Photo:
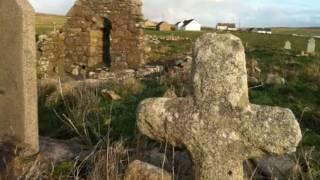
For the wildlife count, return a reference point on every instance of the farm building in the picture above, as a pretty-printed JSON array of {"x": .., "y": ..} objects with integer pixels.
[
  {"x": 226, "y": 27},
  {"x": 149, "y": 24},
  {"x": 163, "y": 26},
  {"x": 261, "y": 30},
  {"x": 188, "y": 25}
]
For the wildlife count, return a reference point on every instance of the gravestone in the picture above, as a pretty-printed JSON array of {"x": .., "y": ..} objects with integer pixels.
[
  {"x": 18, "y": 97},
  {"x": 311, "y": 45},
  {"x": 287, "y": 45},
  {"x": 218, "y": 125}
]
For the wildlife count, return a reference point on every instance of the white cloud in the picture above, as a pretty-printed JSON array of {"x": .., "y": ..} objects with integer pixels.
[
  {"x": 52, "y": 6},
  {"x": 209, "y": 12}
]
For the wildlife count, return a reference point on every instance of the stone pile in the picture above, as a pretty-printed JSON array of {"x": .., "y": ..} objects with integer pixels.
[
  {"x": 156, "y": 39},
  {"x": 113, "y": 76},
  {"x": 149, "y": 39}
]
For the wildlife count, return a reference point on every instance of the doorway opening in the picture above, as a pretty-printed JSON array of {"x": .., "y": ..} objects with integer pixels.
[{"x": 107, "y": 42}]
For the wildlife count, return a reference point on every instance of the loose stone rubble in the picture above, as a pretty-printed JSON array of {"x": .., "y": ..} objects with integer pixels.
[{"x": 218, "y": 125}]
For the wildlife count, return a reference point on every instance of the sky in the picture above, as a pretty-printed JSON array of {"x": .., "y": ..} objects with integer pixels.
[{"x": 247, "y": 13}]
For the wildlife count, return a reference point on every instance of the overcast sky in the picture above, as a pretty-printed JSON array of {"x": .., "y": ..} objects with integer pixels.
[{"x": 209, "y": 12}]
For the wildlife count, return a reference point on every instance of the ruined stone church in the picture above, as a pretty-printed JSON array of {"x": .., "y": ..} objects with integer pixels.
[{"x": 98, "y": 32}]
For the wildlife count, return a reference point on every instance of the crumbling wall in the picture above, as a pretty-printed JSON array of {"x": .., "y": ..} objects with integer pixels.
[
  {"x": 84, "y": 33},
  {"x": 50, "y": 55},
  {"x": 80, "y": 44}
]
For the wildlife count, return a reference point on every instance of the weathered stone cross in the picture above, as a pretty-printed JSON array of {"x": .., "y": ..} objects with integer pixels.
[{"x": 218, "y": 125}]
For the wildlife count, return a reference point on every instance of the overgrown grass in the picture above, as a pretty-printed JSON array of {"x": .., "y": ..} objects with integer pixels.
[{"x": 87, "y": 114}]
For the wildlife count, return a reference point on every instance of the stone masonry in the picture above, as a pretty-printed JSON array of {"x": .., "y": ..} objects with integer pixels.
[
  {"x": 218, "y": 125},
  {"x": 97, "y": 31},
  {"x": 89, "y": 19},
  {"x": 18, "y": 89},
  {"x": 51, "y": 55}
]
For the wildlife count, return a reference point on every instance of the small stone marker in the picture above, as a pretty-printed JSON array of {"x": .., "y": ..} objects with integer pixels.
[
  {"x": 18, "y": 97},
  {"x": 218, "y": 125},
  {"x": 287, "y": 45},
  {"x": 311, "y": 45}
]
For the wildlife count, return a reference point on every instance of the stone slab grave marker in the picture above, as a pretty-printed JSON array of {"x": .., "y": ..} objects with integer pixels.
[
  {"x": 311, "y": 45},
  {"x": 218, "y": 125},
  {"x": 18, "y": 90},
  {"x": 287, "y": 45}
]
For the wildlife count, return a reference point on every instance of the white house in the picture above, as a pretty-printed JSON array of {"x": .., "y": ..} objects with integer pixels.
[
  {"x": 188, "y": 25},
  {"x": 179, "y": 25},
  {"x": 226, "y": 27},
  {"x": 261, "y": 30}
]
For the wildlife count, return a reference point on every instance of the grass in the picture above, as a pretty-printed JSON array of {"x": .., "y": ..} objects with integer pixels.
[
  {"x": 300, "y": 31},
  {"x": 275, "y": 42},
  {"x": 46, "y": 22},
  {"x": 108, "y": 128},
  {"x": 85, "y": 113}
]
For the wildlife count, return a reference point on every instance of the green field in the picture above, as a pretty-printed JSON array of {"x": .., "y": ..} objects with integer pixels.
[
  {"x": 302, "y": 89},
  {"x": 300, "y": 31},
  {"x": 300, "y": 93},
  {"x": 46, "y": 22},
  {"x": 253, "y": 40}
]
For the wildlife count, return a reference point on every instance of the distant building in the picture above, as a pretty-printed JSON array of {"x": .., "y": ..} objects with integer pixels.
[
  {"x": 163, "y": 26},
  {"x": 149, "y": 24},
  {"x": 226, "y": 27},
  {"x": 188, "y": 25},
  {"x": 261, "y": 30},
  {"x": 179, "y": 25}
]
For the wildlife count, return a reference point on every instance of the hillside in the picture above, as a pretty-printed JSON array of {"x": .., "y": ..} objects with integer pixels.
[
  {"x": 46, "y": 22},
  {"x": 312, "y": 31}
]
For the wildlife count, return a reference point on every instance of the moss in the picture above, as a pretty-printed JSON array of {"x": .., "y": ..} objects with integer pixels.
[{"x": 63, "y": 169}]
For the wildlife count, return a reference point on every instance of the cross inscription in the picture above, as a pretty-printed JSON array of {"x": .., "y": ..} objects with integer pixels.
[{"x": 218, "y": 125}]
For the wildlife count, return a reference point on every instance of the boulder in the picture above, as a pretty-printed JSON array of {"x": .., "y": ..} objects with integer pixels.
[
  {"x": 111, "y": 95},
  {"x": 280, "y": 167},
  {"x": 275, "y": 79},
  {"x": 139, "y": 170}
]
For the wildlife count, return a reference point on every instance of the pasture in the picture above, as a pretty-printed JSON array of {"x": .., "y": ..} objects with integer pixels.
[{"x": 300, "y": 92}]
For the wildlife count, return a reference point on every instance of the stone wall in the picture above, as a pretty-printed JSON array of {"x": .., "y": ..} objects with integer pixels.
[
  {"x": 81, "y": 43},
  {"x": 51, "y": 55},
  {"x": 84, "y": 33}
]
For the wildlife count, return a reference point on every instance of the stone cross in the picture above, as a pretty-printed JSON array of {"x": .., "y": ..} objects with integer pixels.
[
  {"x": 218, "y": 125},
  {"x": 311, "y": 45},
  {"x": 287, "y": 45},
  {"x": 18, "y": 89}
]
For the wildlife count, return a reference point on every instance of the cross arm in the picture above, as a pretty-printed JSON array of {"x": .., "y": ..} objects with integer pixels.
[
  {"x": 274, "y": 130},
  {"x": 165, "y": 119}
]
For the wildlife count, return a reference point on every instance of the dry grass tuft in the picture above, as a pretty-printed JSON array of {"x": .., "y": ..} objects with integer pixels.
[{"x": 109, "y": 162}]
